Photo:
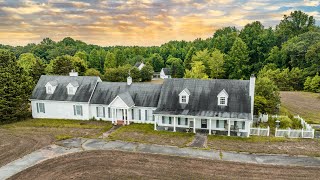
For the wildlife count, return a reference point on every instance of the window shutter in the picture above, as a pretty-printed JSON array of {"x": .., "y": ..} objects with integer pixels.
[
  {"x": 109, "y": 112},
  {"x": 37, "y": 107},
  {"x": 44, "y": 108},
  {"x": 74, "y": 109},
  {"x": 217, "y": 123},
  {"x": 81, "y": 110},
  {"x": 104, "y": 112},
  {"x": 97, "y": 109},
  {"x": 146, "y": 115}
]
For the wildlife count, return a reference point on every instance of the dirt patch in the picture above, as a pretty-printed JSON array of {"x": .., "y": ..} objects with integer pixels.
[
  {"x": 305, "y": 104},
  {"x": 308, "y": 147},
  {"x": 20, "y": 139},
  {"x": 127, "y": 165}
]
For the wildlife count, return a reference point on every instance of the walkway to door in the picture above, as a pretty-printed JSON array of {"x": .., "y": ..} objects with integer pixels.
[{"x": 199, "y": 141}]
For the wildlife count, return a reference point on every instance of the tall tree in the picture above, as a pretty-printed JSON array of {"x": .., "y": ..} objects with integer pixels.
[
  {"x": 176, "y": 67},
  {"x": 146, "y": 73},
  {"x": 197, "y": 71},
  {"x": 313, "y": 58},
  {"x": 82, "y": 55},
  {"x": 157, "y": 62},
  {"x": 15, "y": 89},
  {"x": 188, "y": 59},
  {"x": 92, "y": 72},
  {"x": 224, "y": 38},
  {"x": 26, "y": 61},
  {"x": 295, "y": 24},
  {"x": 110, "y": 60},
  {"x": 94, "y": 59},
  {"x": 216, "y": 63},
  {"x": 62, "y": 65},
  {"x": 238, "y": 60},
  {"x": 79, "y": 65}
]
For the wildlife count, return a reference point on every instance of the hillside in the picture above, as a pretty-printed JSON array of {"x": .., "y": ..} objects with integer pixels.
[{"x": 305, "y": 104}]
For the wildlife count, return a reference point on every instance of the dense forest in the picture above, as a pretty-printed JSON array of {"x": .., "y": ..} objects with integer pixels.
[{"x": 286, "y": 57}]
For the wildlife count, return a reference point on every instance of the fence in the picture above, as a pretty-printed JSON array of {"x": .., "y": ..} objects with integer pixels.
[
  {"x": 303, "y": 123},
  {"x": 260, "y": 131},
  {"x": 294, "y": 133}
]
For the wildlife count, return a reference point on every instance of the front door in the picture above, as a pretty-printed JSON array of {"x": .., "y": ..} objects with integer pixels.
[
  {"x": 203, "y": 123},
  {"x": 191, "y": 124}
]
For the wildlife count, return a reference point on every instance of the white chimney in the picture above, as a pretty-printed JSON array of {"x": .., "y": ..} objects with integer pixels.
[
  {"x": 251, "y": 92},
  {"x": 129, "y": 80},
  {"x": 73, "y": 73}
]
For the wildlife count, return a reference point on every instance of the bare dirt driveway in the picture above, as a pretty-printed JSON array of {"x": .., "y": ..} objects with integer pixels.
[{"x": 130, "y": 165}]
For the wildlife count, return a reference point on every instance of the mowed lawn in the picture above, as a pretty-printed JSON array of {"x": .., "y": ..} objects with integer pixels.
[
  {"x": 145, "y": 133},
  {"x": 305, "y": 104},
  {"x": 21, "y": 138}
]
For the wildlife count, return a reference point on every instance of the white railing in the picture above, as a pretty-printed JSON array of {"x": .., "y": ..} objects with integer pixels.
[
  {"x": 294, "y": 133},
  {"x": 303, "y": 122},
  {"x": 260, "y": 131}
]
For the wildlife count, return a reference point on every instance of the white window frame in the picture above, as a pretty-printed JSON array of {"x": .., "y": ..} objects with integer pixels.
[
  {"x": 70, "y": 90},
  {"x": 100, "y": 111},
  {"x": 49, "y": 89},
  {"x": 41, "y": 108},
  {"x": 78, "y": 110},
  {"x": 223, "y": 95},
  {"x": 183, "y": 99},
  {"x": 222, "y": 101}
]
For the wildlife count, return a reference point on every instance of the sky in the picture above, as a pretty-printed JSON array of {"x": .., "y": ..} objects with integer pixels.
[{"x": 133, "y": 22}]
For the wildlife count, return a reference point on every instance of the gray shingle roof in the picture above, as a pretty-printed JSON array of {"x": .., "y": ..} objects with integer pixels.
[
  {"x": 53, "y": 83},
  {"x": 84, "y": 91},
  {"x": 126, "y": 97},
  {"x": 203, "y": 99},
  {"x": 167, "y": 71},
  {"x": 142, "y": 94}
]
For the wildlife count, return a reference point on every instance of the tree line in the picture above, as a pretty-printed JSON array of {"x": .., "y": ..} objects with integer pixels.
[{"x": 286, "y": 57}]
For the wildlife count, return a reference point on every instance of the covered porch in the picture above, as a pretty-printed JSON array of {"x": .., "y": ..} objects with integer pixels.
[{"x": 209, "y": 125}]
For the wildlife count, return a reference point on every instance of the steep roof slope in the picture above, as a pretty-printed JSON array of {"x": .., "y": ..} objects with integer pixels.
[
  {"x": 203, "y": 99},
  {"x": 146, "y": 95},
  {"x": 86, "y": 86}
]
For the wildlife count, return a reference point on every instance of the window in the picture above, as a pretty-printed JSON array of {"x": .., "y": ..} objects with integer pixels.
[
  {"x": 169, "y": 120},
  {"x": 220, "y": 123},
  {"x": 139, "y": 114},
  {"x": 183, "y": 99},
  {"x": 163, "y": 120},
  {"x": 179, "y": 121},
  {"x": 101, "y": 112},
  {"x": 49, "y": 90},
  {"x": 222, "y": 100},
  {"x": 77, "y": 110},
  {"x": 40, "y": 108},
  {"x": 109, "y": 112},
  {"x": 146, "y": 115},
  {"x": 132, "y": 113},
  {"x": 70, "y": 90}
]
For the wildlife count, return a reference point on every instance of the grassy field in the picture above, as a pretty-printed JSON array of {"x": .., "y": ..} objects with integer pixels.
[
  {"x": 305, "y": 104},
  {"x": 268, "y": 145},
  {"x": 129, "y": 165},
  {"x": 144, "y": 133},
  {"x": 21, "y": 138}
]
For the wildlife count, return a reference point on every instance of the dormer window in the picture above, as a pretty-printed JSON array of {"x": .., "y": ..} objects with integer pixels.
[
  {"x": 72, "y": 88},
  {"x": 51, "y": 86},
  {"x": 223, "y": 98},
  {"x": 184, "y": 96}
]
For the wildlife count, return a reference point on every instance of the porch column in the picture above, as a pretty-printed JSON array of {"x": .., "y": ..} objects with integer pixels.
[
  {"x": 128, "y": 116},
  {"x": 155, "y": 122},
  {"x": 116, "y": 116},
  {"x": 111, "y": 109},
  {"x": 229, "y": 127},
  {"x": 210, "y": 126},
  {"x": 194, "y": 125},
  {"x": 174, "y": 124}
]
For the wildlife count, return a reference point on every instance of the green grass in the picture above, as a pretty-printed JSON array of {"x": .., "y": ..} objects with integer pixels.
[
  {"x": 145, "y": 133},
  {"x": 60, "y": 123},
  {"x": 61, "y": 137}
]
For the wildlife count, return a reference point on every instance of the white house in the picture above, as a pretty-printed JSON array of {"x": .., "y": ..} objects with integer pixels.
[
  {"x": 139, "y": 65},
  {"x": 165, "y": 73},
  {"x": 212, "y": 106}
]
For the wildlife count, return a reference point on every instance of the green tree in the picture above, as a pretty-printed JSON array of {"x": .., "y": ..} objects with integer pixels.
[
  {"x": 238, "y": 60},
  {"x": 312, "y": 84},
  {"x": 26, "y": 61},
  {"x": 267, "y": 96},
  {"x": 82, "y": 55},
  {"x": 15, "y": 89},
  {"x": 92, "y": 72},
  {"x": 37, "y": 70},
  {"x": 79, "y": 65},
  {"x": 197, "y": 71},
  {"x": 157, "y": 62},
  {"x": 62, "y": 65},
  {"x": 313, "y": 58},
  {"x": 110, "y": 60},
  {"x": 188, "y": 59},
  {"x": 204, "y": 56},
  {"x": 135, "y": 74},
  {"x": 216, "y": 63},
  {"x": 277, "y": 57},
  {"x": 293, "y": 25},
  {"x": 94, "y": 59},
  {"x": 146, "y": 73},
  {"x": 224, "y": 38},
  {"x": 176, "y": 67}
]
